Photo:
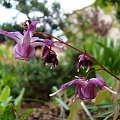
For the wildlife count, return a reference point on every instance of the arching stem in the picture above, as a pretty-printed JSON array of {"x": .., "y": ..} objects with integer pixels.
[{"x": 103, "y": 68}]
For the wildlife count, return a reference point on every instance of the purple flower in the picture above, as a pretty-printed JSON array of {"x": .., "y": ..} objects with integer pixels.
[
  {"x": 49, "y": 56},
  {"x": 86, "y": 89},
  {"x": 84, "y": 60},
  {"x": 25, "y": 47}
]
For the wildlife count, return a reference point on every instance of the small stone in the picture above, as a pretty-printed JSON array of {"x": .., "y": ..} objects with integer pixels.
[{"x": 36, "y": 115}]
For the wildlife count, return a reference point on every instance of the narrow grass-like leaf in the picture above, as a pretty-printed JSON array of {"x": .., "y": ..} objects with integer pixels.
[
  {"x": 74, "y": 109},
  {"x": 107, "y": 118},
  {"x": 18, "y": 100},
  {"x": 61, "y": 102}
]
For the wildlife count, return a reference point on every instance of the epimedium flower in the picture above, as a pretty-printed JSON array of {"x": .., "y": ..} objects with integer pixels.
[
  {"x": 84, "y": 60},
  {"x": 26, "y": 43},
  {"x": 49, "y": 56},
  {"x": 85, "y": 89}
]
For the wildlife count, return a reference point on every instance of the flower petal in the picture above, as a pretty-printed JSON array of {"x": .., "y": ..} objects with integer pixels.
[
  {"x": 22, "y": 52},
  {"x": 89, "y": 91},
  {"x": 35, "y": 44},
  {"x": 45, "y": 51},
  {"x": 66, "y": 85},
  {"x": 27, "y": 38},
  {"x": 80, "y": 94},
  {"x": 98, "y": 81},
  {"x": 33, "y": 24},
  {"x": 107, "y": 88},
  {"x": 73, "y": 82},
  {"x": 36, "y": 39},
  {"x": 17, "y": 36},
  {"x": 84, "y": 60},
  {"x": 43, "y": 42},
  {"x": 56, "y": 92}
]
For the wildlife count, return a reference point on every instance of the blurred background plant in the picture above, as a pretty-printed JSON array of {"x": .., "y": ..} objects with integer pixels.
[
  {"x": 94, "y": 29},
  {"x": 9, "y": 107}
]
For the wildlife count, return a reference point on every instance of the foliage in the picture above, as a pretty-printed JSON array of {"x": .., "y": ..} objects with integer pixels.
[
  {"x": 52, "y": 17},
  {"x": 103, "y": 48},
  {"x": 108, "y": 4},
  {"x": 74, "y": 110},
  {"x": 8, "y": 109},
  {"x": 39, "y": 79},
  {"x": 32, "y": 75},
  {"x": 18, "y": 100},
  {"x": 59, "y": 100}
]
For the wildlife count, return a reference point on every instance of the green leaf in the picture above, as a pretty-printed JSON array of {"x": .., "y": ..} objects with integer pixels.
[
  {"x": 18, "y": 100},
  {"x": 108, "y": 117},
  {"x": 74, "y": 109},
  {"x": 1, "y": 84},
  {"x": 2, "y": 109},
  {"x": 4, "y": 104},
  {"x": 106, "y": 113},
  {"x": 9, "y": 114},
  {"x": 61, "y": 102},
  {"x": 101, "y": 96},
  {"x": 4, "y": 94},
  {"x": 27, "y": 113}
]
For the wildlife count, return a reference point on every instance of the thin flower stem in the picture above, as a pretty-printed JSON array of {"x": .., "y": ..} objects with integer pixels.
[
  {"x": 36, "y": 32},
  {"x": 92, "y": 71},
  {"x": 103, "y": 68}
]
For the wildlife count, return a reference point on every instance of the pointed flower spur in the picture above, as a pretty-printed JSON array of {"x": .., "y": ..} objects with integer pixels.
[{"x": 85, "y": 89}]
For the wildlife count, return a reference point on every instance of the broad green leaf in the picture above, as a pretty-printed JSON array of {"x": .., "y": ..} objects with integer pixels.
[
  {"x": 27, "y": 113},
  {"x": 9, "y": 99},
  {"x": 2, "y": 108},
  {"x": 4, "y": 94},
  {"x": 101, "y": 96},
  {"x": 18, "y": 100},
  {"x": 4, "y": 104}
]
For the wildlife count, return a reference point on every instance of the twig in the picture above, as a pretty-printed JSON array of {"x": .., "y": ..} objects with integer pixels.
[{"x": 36, "y": 32}]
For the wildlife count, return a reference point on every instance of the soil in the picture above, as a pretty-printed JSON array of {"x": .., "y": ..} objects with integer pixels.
[{"x": 42, "y": 111}]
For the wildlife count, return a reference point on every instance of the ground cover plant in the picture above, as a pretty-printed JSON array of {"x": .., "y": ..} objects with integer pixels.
[{"x": 89, "y": 72}]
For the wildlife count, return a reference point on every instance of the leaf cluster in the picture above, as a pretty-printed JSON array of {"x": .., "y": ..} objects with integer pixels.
[
  {"x": 10, "y": 107},
  {"x": 52, "y": 17},
  {"x": 108, "y": 3}
]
